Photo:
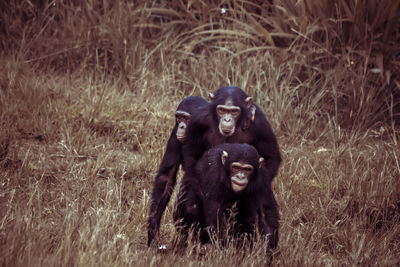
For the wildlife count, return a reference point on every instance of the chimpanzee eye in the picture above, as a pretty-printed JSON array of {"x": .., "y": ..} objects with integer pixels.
[
  {"x": 235, "y": 167},
  {"x": 221, "y": 110},
  {"x": 248, "y": 169},
  {"x": 182, "y": 118},
  {"x": 235, "y": 112}
]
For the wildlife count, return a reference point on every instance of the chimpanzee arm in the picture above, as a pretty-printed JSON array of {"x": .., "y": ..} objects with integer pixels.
[
  {"x": 268, "y": 218},
  {"x": 214, "y": 215},
  {"x": 164, "y": 184},
  {"x": 267, "y": 146},
  {"x": 272, "y": 159},
  {"x": 269, "y": 227},
  {"x": 246, "y": 217}
]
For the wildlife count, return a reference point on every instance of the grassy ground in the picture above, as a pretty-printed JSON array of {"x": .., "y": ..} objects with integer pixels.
[{"x": 87, "y": 96}]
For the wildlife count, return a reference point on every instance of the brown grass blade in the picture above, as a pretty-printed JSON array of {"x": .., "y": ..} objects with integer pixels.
[
  {"x": 264, "y": 32},
  {"x": 162, "y": 11}
]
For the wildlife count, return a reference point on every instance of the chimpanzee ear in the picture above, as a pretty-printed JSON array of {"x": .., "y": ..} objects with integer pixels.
[
  {"x": 260, "y": 162},
  {"x": 252, "y": 113},
  {"x": 210, "y": 96},
  {"x": 224, "y": 156},
  {"x": 249, "y": 101}
]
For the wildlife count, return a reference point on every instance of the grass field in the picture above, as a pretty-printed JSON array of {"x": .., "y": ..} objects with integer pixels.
[{"x": 87, "y": 96}]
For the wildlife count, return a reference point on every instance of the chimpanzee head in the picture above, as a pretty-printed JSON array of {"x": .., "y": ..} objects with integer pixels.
[
  {"x": 182, "y": 122},
  {"x": 187, "y": 108},
  {"x": 230, "y": 108},
  {"x": 241, "y": 163}
]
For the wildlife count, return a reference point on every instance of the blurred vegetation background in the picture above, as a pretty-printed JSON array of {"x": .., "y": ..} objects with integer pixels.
[{"x": 87, "y": 95}]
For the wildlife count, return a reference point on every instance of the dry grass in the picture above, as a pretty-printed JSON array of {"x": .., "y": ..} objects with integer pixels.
[{"x": 87, "y": 93}]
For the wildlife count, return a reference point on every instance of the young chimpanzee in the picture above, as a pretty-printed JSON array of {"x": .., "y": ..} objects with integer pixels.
[
  {"x": 166, "y": 177},
  {"x": 225, "y": 175},
  {"x": 232, "y": 117}
]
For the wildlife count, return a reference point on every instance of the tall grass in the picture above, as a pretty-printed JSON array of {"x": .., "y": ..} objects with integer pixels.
[{"x": 87, "y": 93}]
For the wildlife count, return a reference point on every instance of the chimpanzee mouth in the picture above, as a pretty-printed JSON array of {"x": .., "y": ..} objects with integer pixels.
[
  {"x": 181, "y": 137},
  {"x": 227, "y": 132},
  {"x": 239, "y": 183},
  {"x": 237, "y": 187}
]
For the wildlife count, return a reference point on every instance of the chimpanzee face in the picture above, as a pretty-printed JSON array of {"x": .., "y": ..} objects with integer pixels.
[
  {"x": 240, "y": 175},
  {"x": 240, "y": 172},
  {"x": 228, "y": 115},
  {"x": 182, "y": 121},
  {"x": 230, "y": 108}
]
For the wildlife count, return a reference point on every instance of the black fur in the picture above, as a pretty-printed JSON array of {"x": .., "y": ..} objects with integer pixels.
[
  {"x": 206, "y": 193},
  {"x": 203, "y": 134},
  {"x": 166, "y": 177}
]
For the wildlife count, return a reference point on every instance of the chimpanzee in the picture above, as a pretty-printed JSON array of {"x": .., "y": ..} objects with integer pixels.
[
  {"x": 166, "y": 177},
  {"x": 232, "y": 117},
  {"x": 225, "y": 175}
]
